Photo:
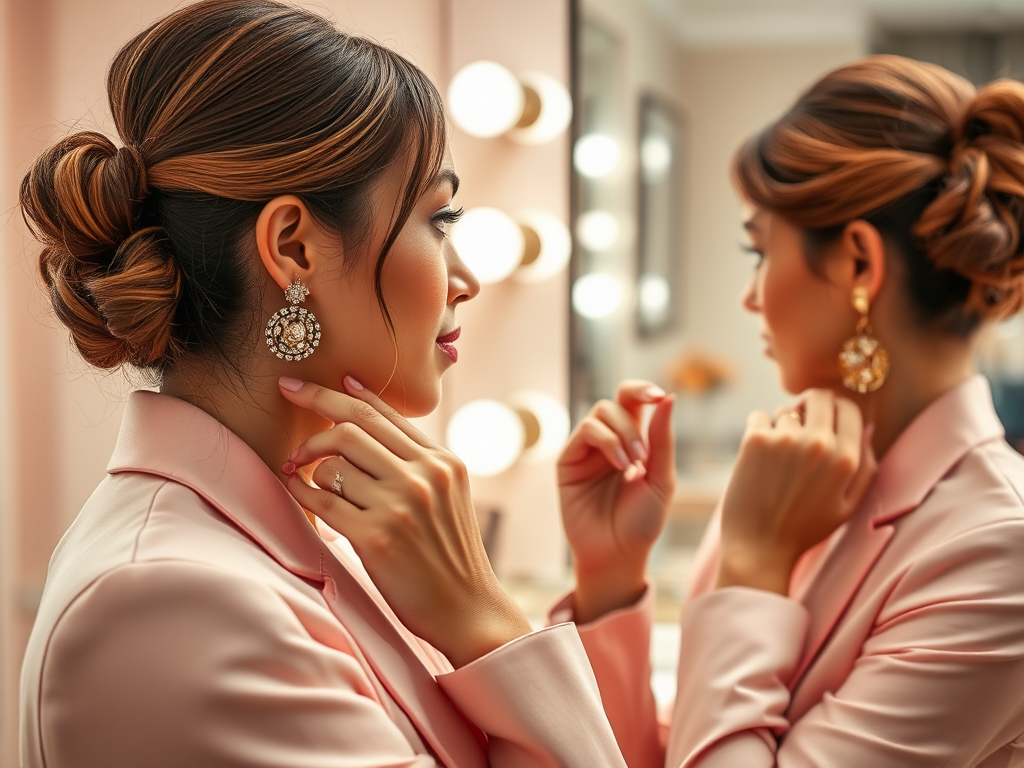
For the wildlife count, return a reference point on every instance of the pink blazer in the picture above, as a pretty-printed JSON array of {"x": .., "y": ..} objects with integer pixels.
[
  {"x": 901, "y": 642},
  {"x": 193, "y": 617}
]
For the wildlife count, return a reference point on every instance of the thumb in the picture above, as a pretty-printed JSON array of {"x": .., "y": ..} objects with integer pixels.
[{"x": 661, "y": 466}]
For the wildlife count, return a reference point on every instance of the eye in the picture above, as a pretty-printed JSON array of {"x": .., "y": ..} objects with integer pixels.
[
  {"x": 754, "y": 251},
  {"x": 445, "y": 218}
]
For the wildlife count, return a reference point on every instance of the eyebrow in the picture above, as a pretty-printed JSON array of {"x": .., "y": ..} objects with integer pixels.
[{"x": 447, "y": 174}]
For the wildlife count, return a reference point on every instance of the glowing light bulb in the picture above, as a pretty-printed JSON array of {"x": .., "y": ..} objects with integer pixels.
[
  {"x": 490, "y": 242},
  {"x": 596, "y": 155},
  {"x": 654, "y": 297},
  {"x": 485, "y": 99},
  {"x": 596, "y": 295},
  {"x": 597, "y": 230},
  {"x": 550, "y": 254},
  {"x": 487, "y": 435},
  {"x": 553, "y": 113},
  {"x": 546, "y": 421},
  {"x": 655, "y": 158}
]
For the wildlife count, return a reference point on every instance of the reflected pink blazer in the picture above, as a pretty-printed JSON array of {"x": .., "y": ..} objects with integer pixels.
[
  {"x": 901, "y": 642},
  {"x": 193, "y": 618}
]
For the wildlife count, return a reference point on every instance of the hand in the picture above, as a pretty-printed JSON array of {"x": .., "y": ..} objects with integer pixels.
[
  {"x": 405, "y": 505},
  {"x": 794, "y": 483},
  {"x": 615, "y": 489}
]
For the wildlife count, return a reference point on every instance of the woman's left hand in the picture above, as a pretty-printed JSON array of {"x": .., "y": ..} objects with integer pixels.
[{"x": 405, "y": 506}]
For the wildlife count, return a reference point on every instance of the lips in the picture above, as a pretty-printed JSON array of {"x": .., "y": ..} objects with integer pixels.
[{"x": 446, "y": 343}]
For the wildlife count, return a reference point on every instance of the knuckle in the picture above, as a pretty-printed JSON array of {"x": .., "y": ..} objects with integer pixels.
[
  {"x": 363, "y": 411},
  {"x": 418, "y": 491},
  {"x": 845, "y": 465},
  {"x": 347, "y": 432}
]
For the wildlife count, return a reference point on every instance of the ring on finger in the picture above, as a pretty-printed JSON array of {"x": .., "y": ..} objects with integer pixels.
[
  {"x": 336, "y": 483},
  {"x": 794, "y": 414}
]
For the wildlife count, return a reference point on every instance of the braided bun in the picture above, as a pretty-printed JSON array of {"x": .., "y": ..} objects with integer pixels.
[
  {"x": 112, "y": 281},
  {"x": 974, "y": 225}
]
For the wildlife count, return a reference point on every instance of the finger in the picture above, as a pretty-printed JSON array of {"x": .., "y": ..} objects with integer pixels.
[
  {"x": 757, "y": 421},
  {"x": 345, "y": 480},
  {"x": 350, "y": 441},
  {"x": 340, "y": 407},
  {"x": 358, "y": 391},
  {"x": 634, "y": 394},
  {"x": 341, "y": 514},
  {"x": 849, "y": 428},
  {"x": 594, "y": 435},
  {"x": 819, "y": 410},
  {"x": 865, "y": 474},
  {"x": 661, "y": 467},
  {"x": 788, "y": 418},
  {"x": 622, "y": 424}
]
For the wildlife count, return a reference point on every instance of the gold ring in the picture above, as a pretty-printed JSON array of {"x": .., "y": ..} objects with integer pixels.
[
  {"x": 336, "y": 485},
  {"x": 796, "y": 415}
]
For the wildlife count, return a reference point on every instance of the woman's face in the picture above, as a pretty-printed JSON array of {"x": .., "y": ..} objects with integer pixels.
[
  {"x": 805, "y": 317},
  {"x": 423, "y": 281}
]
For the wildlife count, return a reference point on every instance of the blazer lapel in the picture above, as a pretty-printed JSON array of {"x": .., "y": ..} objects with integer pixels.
[{"x": 168, "y": 437}]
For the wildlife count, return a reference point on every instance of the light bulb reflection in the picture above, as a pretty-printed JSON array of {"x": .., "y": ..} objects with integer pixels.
[
  {"x": 487, "y": 435},
  {"x": 490, "y": 242},
  {"x": 654, "y": 297},
  {"x": 596, "y": 295},
  {"x": 655, "y": 158},
  {"x": 597, "y": 230},
  {"x": 596, "y": 155},
  {"x": 485, "y": 99}
]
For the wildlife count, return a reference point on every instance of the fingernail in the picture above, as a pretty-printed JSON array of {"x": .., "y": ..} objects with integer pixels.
[
  {"x": 639, "y": 451},
  {"x": 288, "y": 468},
  {"x": 287, "y": 382},
  {"x": 622, "y": 458},
  {"x": 654, "y": 393},
  {"x": 352, "y": 384},
  {"x": 630, "y": 473},
  {"x": 293, "y": 454}
]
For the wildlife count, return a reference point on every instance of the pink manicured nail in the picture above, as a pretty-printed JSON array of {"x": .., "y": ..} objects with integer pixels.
[
  {"x": 631, "y": 473},
  {"x": 654, "y": 393},
  {"x": 639, "y": 451},
  {"x": 622, "y": 458},
  {"x": 287, "y": 382},
  {"x": 351, "y": 383},
  {"x": 293, "y": 454},
  {"x": 288, "y": 468}
]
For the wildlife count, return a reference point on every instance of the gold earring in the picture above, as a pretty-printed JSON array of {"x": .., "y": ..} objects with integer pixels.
[
  {"x": 293, "y": 333},
  {"x": 864, "y": 362}
]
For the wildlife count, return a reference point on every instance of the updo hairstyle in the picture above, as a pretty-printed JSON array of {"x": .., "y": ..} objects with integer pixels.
[
  {"x": 219, "y": 107},
  {"x": 936, "y": 165}
]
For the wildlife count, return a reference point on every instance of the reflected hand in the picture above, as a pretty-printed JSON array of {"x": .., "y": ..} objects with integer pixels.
[
  {"x": 795, "y": 481},
  {"x": 615, "y": 489},
  {"x": 405, "y": 506}
]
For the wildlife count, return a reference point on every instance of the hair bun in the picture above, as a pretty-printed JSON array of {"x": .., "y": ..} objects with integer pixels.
[
  {"x": 974, "y": 226},
  {"x": 114, "y": 285}
]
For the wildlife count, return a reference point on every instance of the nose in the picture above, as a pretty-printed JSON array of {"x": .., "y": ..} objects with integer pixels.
[
  {"x": 750, "y": 300},
  {"x": 462, "y": 283}
]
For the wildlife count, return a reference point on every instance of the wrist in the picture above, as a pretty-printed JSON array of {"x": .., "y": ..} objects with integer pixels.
[
  {"x": 480, "y": 632},
  {"x": 770, "y": 572},
  {"x": 599, "y": 591}
]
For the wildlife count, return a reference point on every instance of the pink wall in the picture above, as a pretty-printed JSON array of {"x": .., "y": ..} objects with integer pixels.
[{"x": 60, "y": 421}]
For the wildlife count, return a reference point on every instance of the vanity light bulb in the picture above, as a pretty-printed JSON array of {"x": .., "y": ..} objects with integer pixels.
[
  {"x": 546, "y": 421},
  {"x": 596, "y": 155},
  {"x": 487, "y": 435},
  {"x": 597, "y": 230},
  {"x": 485, "y": 99},
  {"x": 550, "y": 254},
  {"x": 596, "y": 295},
  {"x": 655, "y": 158},
  {"x": 553, "y": 114},
  {"x": 654, "y": 297},
  {"x": 490, "y": 242}
]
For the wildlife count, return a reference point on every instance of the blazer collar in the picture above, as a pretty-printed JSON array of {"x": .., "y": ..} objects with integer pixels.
[
  {"x": 165, "y": 436},
  {"x": 931, "y": 446}
]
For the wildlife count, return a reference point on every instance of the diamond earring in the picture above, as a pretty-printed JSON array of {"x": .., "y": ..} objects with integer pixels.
[
  {"x": 864, "y": 362},
  {"x": 293, "y": 333}
]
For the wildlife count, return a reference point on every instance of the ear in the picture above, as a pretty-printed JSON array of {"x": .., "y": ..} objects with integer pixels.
[
  {"x": 289, "y": 242},
  {"x": 860, "y": 258}
]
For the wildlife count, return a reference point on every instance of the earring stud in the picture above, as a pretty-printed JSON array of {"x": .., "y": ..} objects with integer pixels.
[
  {"x": 293, "y": 332},
  {"x": 863, "y": 362}
]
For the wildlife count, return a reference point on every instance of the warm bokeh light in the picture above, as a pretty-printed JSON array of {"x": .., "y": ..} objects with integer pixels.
[
  {"x": 596, "y": 295},
  {"x": 485, "y": 99},
  {"x": 596, "y": 155},
  {"x": 552, "y": 421},
  {"x": 555, "y": 110},
  {"x": 555, "y": 246},
  {"x": 655, "y": 158},
  {"x": 597, "y": 230},
  {"x": 654, "y": 297},
  {"x": 490, "y": 242},
  {"x": 487, "y": 435}
]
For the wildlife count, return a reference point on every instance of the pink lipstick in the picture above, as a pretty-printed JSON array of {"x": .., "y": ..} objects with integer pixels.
[{"x": 447, "y": 342}]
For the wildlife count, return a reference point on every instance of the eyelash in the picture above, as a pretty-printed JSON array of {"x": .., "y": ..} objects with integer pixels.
[
  {"x": 447, "y": 217},
  {"x": 753, "y": 251}
]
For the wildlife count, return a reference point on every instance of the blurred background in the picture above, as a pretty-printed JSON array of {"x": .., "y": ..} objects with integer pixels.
[{"x": 593, "y": 138}]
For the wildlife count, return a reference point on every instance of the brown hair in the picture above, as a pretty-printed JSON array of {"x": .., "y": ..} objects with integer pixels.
[
  {"x": 935, "y": 164},
  {"x": 220, "y": 106}
]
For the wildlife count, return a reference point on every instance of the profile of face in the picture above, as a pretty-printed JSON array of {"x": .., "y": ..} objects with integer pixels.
[
  {"x": 423, "y": 281},
  {"x": 806, "y": 314}
]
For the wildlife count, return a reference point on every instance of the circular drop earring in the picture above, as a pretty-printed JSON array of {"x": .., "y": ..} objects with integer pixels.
[
  {"x": 863, "y": 362},
  {"x": 293, "y": 332}
]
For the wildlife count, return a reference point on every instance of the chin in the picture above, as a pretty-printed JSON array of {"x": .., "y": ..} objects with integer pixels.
[{"x": 412, "y": 404}]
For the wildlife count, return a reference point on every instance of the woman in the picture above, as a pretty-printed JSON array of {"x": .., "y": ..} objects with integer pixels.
[
  {"x": 828, "y": 626},
  {"x": 193, "y": 614}
]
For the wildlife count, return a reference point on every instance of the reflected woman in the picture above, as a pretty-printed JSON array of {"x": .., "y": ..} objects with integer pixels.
[
  {"x": 843, "y": 612},
  {"x": 277, "y": 214}
]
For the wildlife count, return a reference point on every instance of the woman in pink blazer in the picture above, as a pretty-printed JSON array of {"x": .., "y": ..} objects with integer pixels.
[
  {"x": 843, "y": 613},
  {"x": 277, "y": 213}
]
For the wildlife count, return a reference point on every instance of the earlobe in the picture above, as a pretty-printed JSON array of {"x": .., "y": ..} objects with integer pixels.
[
  {"x": 285, "y": 238},
  {"x": 866, "y": 249}
]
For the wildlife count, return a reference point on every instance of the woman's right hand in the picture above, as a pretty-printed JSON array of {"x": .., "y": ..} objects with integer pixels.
[
  {"x": 405, "y": 506},
  {"x": 795, "y": 482},
  {"x": 615, "y": 488}
]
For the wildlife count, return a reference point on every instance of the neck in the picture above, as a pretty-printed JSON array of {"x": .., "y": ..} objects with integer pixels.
[
  {"x": 252, "y": 407},
  {"x": 923, "y": 369}
]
